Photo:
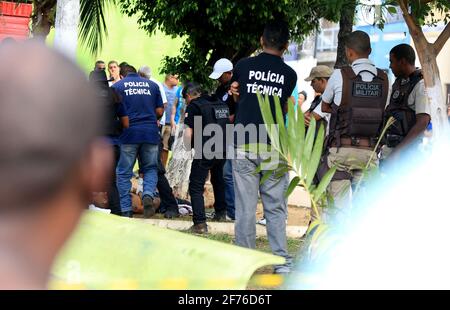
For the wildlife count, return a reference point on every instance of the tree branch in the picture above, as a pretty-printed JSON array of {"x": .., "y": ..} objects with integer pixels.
[
  {"x": 413, "y": 27},
  {"x": 443, "y": 37}
]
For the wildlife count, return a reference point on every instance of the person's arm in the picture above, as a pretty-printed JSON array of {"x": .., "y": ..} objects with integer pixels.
[
  {"x": 159, "y": 106},
  {"x": 333, "y": 91},
  {"x": 187, "y": 138},
  {"x": 308, "y": 115},
  {"x": 159, "y": 113},
  {"x": 191, "y": 112},
  {"x": 125, "y": 121},
  {"x": 418, "y": 100},
  {"x": 163, "y": 94},
  {"x": 234, "y": 91},
  {"x": 173, "y": 113},
  {"x": 419, "y": 127}
]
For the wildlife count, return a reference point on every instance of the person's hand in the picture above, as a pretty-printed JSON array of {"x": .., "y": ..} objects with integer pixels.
[
  {"x": 307, "y": 117},
  {"x": 234, "y": 89},
  {"x": 173, "y": 128}
]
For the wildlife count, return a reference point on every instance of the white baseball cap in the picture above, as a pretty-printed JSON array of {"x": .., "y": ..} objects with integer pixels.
[{"x": 221, "y": 66}]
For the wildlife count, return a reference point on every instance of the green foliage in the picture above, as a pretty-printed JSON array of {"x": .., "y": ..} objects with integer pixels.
[
  {"x": 424, "y": 12},
  {"x": 299, "y": 152},
  {"x": 218, "y": 28},
  {"x": 92, "y": 26}
]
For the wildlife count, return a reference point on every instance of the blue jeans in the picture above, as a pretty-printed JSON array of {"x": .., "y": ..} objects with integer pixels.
[
  {"x": 148, "y": 154},
  {"x": 229, "y": 187}
]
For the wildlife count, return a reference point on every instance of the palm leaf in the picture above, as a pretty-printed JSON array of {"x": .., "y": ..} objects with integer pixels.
[
  {"x": 281, "y": 126},
  {"x": 300, "y": 130},
  {"x": 292, "y": 186},
  {"x": 324, "y": 183},
  {"x": 315, "y": 157},
  {"x": 92, "y": 27}
]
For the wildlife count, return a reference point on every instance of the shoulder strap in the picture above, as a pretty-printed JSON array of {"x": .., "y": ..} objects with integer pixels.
[
  {"x": 347, "y": 75},
  {"x": 315, "y": 103},
  {"x": 367, "y": 71},
  {"x": 348, "y": 72},
  {"x": 381, "y": 74}
]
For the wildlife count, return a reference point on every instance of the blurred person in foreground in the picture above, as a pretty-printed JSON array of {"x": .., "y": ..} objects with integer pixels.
[{"x": 51, "y": 160}]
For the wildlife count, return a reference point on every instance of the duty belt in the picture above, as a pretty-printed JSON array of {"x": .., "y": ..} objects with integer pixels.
[{"x": 360, "y": 143}]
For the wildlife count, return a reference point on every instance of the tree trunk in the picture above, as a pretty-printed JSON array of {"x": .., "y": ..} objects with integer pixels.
[
  {"x": 433, "y": 85},
  {"x": 427, "y": 53},
  {"x": 66, "y": 27},
  {"x": 42, "y": 18},
  {"x": 345, "y": 28}
]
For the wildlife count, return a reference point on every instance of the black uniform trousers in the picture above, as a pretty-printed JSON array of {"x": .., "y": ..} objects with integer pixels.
[{"x": 197, "y": 179}]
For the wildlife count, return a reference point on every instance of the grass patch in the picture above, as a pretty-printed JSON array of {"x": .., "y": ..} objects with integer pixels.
[{"x": 295, "y": 247}]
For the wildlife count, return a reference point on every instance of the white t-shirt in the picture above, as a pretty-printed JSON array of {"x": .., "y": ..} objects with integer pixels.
[
  {"x": 417, "y": 100},
  {"x": 163, "y": 97}
]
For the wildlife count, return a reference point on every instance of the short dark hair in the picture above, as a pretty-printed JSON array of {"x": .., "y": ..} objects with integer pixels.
[
  {"x": 276, "y": 34},
  {"x": 127, "y": 69},
  {"x": 304, "y": 94},
  {"x": 359, "y": 41},
  {"x": 123, "y": 64},
  {"x": 192, "y": 89},
  {"x": 99, "y": 62},
  {"x": 404, "y": 51}
]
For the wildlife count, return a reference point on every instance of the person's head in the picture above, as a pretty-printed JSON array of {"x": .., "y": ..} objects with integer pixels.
[
  {"x": 171, "y": 80},
  {"x": 98, "y": 78},
  {"x": 51, "y": 159},
  {"x": 223, "y": 71},
  {"x": 113, "y": 69},
  {"x": 100, "y": 65},
  {"x": 357, "y": 46},
  {"x": 191, "y": 91},
  {"x": 275, "y": 37},
  {"x": 402, "y": 60},
  {"x": 318, "y": 77},
  {"x": 127, "y": 69},
  {"x": 302, "y": 96},
  {"x": 145, "y": 72}
]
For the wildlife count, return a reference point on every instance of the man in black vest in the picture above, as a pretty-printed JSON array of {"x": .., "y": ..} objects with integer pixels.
[
  {"x": 408, "y": 103},
  {"x": 205, "y": 115},
  {"x": 356, "y": 97}
]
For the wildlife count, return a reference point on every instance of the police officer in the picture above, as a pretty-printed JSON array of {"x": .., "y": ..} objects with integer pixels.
[
  {"x": 318, "y": 77},
  {"x": 115, "y": 119},
  {"x": 204, "y": 114},
  {"x": 223, "y": 73},
  {"x": 408, "y": 103},
  {"x": 356, "y": 97},
  {"x": 142, "y": 102}
]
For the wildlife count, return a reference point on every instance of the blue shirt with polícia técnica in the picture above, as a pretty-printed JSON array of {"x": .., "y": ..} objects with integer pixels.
[{"x": 140, "y": 98}]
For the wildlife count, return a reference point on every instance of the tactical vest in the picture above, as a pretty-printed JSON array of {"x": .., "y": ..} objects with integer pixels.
[
  {"x": 405, "y": 117},
  {"x": 360, "y": 115},
  {"x": 212, "y": 111}
]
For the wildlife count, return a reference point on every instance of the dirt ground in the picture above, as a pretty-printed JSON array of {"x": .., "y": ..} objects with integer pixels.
[
  {"x": 298, "y": 209},
  {"x": 299, "y": 212}
]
